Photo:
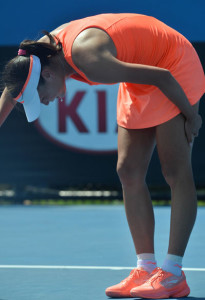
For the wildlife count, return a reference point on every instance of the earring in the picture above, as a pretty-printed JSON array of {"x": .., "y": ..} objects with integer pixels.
[{"x": 61, "y": 99}]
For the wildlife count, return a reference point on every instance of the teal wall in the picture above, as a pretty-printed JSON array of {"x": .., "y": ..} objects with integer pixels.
[
  {"x": 24, "y": 19},
  {"x": 26, "y": 157}
]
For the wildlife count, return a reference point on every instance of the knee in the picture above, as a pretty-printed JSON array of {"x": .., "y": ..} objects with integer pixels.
[
  {"x": 129, "y": 174},
  {"x": 174, "y": 173},
  {"x": 169, "y": 174}
]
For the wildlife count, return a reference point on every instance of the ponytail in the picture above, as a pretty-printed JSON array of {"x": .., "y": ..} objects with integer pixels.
[
  {"x": 16, "y": 70},
  {"x": 42, "y": 50}
]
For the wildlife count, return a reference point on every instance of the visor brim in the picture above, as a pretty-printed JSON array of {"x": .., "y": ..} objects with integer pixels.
[
  {"x": 33, "y": 108},
  {"x": 29, "y": 96}
]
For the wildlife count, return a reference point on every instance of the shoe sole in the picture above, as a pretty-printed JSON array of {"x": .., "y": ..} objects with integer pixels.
[
  {"x": 171, "y": 294},
  {"x": 117, "y": 295}
]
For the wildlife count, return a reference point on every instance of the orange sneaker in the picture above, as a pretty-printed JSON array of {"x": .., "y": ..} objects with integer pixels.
[
  {"x": 137, "y": 277},
  {"x": 162, "y": 284}
]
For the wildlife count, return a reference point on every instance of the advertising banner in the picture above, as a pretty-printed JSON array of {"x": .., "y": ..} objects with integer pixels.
[{"x": 85, "y": 120}]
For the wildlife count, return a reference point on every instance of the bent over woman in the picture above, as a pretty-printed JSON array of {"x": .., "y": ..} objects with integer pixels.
[{"x": 161, "y": 82}]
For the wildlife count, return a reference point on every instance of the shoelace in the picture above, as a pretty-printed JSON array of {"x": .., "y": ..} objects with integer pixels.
[
  {"x": 132, "y": 274},
  {"x": 156, "y": 276}
]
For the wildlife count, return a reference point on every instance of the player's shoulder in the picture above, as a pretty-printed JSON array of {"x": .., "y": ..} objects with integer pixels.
[{"x": 91, "y": 43}]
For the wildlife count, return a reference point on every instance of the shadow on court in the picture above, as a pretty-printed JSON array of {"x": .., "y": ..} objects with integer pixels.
[
  {"x": 193, "y": 298},
  {"x": 75, "y": 252},
  {"x": 187, "y": 298}
]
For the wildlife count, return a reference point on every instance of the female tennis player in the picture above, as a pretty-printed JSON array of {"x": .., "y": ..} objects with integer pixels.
[{"x": 161, "y": 82}]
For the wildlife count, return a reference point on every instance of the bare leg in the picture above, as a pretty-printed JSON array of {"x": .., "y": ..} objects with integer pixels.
[
  {"x": 135, "y": 149},
  {"x": 175, "y": 157}
]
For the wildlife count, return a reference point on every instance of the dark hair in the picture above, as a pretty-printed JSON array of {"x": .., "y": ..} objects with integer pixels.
[{"x": 16, "y": 70}]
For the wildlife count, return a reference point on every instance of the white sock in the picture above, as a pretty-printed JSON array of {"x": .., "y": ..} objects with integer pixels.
[
  {"x": 146, "y": 261},
  {"x": 173, "y": 264}
]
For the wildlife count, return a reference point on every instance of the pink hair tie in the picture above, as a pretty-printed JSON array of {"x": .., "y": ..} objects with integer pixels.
[{"x": 22, "y": 52}]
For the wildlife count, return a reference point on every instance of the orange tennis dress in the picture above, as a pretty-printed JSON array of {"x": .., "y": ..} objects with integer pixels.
[{"x": 144, "y": 40}]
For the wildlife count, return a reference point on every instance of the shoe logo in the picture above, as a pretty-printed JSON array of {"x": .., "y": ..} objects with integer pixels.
[
  {"x": 172, "y": 281},
  {"x": 178, "y": 266},
  {"x": 168, "y": 283}
]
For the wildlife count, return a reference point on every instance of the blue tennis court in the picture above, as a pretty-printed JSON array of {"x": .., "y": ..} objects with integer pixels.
[{"x": 76, "y": 252}]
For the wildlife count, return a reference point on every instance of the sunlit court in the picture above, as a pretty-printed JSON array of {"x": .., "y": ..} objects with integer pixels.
[{"x": 77, "y": 251}]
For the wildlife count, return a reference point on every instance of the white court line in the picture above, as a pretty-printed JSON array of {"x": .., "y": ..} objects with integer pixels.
[{"x": 80, "y": 267}]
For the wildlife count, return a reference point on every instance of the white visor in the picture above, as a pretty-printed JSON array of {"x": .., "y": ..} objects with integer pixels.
[{"x": 29, "y": 96}]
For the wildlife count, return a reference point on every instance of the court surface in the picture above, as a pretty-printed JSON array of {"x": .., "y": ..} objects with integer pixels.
[{"x": 75, "y": 252}]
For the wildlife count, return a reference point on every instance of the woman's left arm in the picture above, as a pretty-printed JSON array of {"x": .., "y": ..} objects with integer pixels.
[
  {"x": 6, "y": 105},
  {"x": 108, "y": 69}
]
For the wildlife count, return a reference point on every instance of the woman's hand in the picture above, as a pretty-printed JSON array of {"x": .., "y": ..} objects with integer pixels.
[{"x": 192, "y": 126}]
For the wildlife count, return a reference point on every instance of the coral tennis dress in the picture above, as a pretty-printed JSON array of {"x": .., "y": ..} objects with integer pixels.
[{"x": 144, "y": 40}]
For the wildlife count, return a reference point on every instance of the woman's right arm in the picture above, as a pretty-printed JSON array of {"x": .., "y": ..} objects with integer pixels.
[{"x": 6, "y": 105}]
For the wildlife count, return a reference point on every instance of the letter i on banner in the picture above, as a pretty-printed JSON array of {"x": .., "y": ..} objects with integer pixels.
[{"x": 70, "y": 110}]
